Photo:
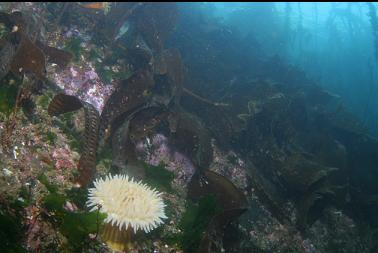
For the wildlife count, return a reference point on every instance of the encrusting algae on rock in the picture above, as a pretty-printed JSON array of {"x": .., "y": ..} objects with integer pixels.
[{"x": 129, "y": 205}]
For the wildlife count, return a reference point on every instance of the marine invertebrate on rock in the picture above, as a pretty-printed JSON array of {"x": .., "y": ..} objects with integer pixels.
[{"x": 129, "y": 205}]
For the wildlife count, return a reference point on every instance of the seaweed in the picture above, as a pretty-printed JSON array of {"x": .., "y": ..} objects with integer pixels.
[
  {"x": 105, "y": 75},
  {"x": 93, "y": 55},
  {"x": 155, "y": 22},
  {"x": 105, "y": 153},
  {"x": 55, "y": 55},
  {"x": 195, "y": 222},
  {"x": 74, "y": 47},
  {"x": 87, "y": 162},
  {"x": 8, "y": 97},
  {"x": 78, "y": 196},
  {"x": 44, "y": 100},
  {"x": 4, "y": 31},
  {"x": 28, "y": 58},
  {"x": 125, "y": 100},
  {"x": 7, "y": 51},
  {"x": 74, "y": 225},
  {"x": 20, "y": 54},
  {"x": 11, "y": 232},
  {"x": 77, "y": 226},
  {"x": 158, "y": 177},
  {"x": 50, "y": 187},
  {"x": 108, "y": 75},
  {"x": 51, "y": 138},
  {"x": 63, "y": 103}
]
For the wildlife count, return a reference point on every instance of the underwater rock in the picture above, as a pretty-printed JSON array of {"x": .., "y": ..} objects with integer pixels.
[
  {"x": 230, "y": 165},
  {"x": 337, "y": 231},
  {"x": 85, "y": 84},
  {"x": 303, "y": 169},
  {"x": 157, "y": 150},
  {"x": 62, "y": 159}
]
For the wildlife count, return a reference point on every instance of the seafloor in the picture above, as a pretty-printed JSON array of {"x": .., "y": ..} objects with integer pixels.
[{"x": 250, "y": 155}]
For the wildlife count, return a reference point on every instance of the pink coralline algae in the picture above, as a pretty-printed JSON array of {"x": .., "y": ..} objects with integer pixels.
[
  {"x": 231, "y": 166},
  {"x": 158, "y": 150},
  {"x": 85, "y": 84},
  {"x": 63, "y": 159}
]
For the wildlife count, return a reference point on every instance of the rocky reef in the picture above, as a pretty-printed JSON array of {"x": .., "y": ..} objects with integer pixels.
[{"x": 248, "y": 153}]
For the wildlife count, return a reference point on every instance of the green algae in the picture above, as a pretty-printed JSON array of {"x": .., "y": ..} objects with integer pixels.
[
  {"x": 51, "y": 138},
  {"x": 93, "y": 55},
  {"x": 196, "y": 220},
  {"x": 74, "y": 225},
  {"x": 73, "y": 46},
  {"x": 107, "y": 74},
  {"x": 158, "y": 177},
  {"x": 45, "y": 181},
  {"x": 194, "y": 223},
  {"x": 11, "y": 232},
  {"x": 8, "y": 96},
  {"x": 44, "y": 100}
]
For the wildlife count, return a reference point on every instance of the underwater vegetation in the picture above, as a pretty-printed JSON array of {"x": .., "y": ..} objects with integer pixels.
[{"x": 154, "y": 127}]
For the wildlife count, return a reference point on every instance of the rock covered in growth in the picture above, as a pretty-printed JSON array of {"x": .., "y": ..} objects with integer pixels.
[{"x": 84, "y": 84}]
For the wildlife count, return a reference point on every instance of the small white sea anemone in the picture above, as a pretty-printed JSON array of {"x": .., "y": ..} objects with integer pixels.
[{"x": 127, "y": 203}]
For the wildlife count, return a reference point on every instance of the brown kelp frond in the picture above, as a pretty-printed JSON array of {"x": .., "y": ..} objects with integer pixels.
[
  {"x": 7, "y": 52},
  {"x": 228, "y": 196},
  {"x": 13, "y": 19},
  {"x": 55, "y": 55},
  {"x": 230, "y": 203},
  {"x": 20, "y": 51},
  {"x": 130, "y": 95},
  {"x": 169, "y": 71},
  {"x": 155, "y": 22},
  {"x": 63, "y": 103},
  {"x": 192, "y": 138},
  {"x": 28, "y": 58},
  {"x": 87, "y": 163}
]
